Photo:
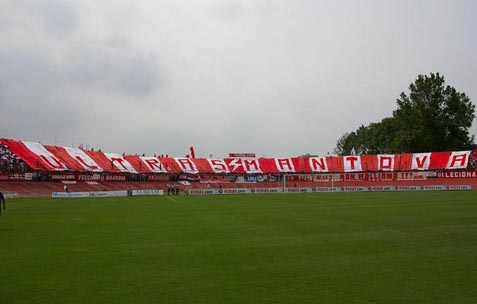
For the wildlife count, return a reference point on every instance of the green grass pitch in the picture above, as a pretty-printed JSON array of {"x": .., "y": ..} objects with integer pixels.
[{"x": 409, "y": 247}]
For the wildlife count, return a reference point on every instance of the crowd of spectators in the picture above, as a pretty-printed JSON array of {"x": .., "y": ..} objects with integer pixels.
[
  {"x": 472, "y": 160},
  {"x": 9, "y": 162}
]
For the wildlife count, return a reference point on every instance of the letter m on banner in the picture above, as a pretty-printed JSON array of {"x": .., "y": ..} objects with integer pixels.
[{"x": 251, "y": 166}]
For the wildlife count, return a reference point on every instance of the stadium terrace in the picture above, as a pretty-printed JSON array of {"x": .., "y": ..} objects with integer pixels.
[{"x": 47, "y": 158}]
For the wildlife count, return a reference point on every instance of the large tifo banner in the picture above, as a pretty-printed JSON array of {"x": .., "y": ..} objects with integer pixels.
[{"x": 52, "y": 158}]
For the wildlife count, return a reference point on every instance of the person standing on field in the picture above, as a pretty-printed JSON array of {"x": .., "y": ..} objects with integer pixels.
[{"x": 2, "y": 202}]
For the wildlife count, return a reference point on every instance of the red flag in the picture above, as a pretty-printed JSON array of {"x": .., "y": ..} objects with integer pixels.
[{"x": 192, "y": 152}]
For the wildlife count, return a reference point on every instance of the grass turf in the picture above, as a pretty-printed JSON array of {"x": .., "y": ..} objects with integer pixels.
[{"x": 409, "y": 247}]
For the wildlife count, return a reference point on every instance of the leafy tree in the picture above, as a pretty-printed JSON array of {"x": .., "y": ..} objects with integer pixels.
[
  {"x": 358, "y": 140},
  {"x": 433, "y": 117},
  {"x": 343, "y": 144}
]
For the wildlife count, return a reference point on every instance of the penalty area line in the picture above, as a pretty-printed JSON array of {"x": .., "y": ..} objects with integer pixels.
[{"x": 173, "y": 199}]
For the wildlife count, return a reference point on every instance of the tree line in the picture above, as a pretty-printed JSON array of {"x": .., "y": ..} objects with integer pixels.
[{"x": 433, "y": 116}]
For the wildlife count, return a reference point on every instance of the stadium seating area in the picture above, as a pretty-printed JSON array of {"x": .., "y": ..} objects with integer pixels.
[{"x": 17, "y": 177}]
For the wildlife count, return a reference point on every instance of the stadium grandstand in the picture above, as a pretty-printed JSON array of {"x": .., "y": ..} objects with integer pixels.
[{"x": 34, "y": 169}]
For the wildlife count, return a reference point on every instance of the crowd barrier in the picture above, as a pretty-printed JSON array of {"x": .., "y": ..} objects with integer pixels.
[
  {"x": 324, "y": 189},
  {"x": 149, "y": 192},
  {"x": 228, "y": 191}
]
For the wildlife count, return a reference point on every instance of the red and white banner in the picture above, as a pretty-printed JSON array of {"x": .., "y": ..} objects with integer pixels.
[
  {"x": 421, "y": 161},
  {"x": 457, "y": 174},
  {"x": 285, "y": 165},
  {"x": 119, "y": 162},
  {"x": 219, "y": 166},
  {"x": 154, "y": 164},
  {"x": 52, "y": 158},
  {"x": 318, "y": 164},
  {"x": 243, "y": 165},
  {"x": 45, "y": 156},
  {"x": 83, "y": 159},
  {"x": 458, "y": 160},
  {"x": 352, "y": 163},
  {"x": 187, "y": 165},
  {"x": 386, "y": 162}
]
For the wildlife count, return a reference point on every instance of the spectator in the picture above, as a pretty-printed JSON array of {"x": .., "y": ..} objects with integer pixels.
[
  {"x": 473, "y": 160},
  {"x": 2, "y": 202},
  {"x": 10, "y": 162}
]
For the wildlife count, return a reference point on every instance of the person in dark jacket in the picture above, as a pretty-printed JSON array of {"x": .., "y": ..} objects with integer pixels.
[{"x": 2, "y": 202}]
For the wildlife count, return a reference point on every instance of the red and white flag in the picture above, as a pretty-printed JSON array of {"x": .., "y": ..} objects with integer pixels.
[{"x": 83, "y": 159}]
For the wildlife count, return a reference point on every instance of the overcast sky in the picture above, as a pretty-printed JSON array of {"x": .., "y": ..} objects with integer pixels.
[{"x": 277, "y": 78}]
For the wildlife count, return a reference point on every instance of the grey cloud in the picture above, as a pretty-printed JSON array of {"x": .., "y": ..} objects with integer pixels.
[
  {"x": 5, "y": 19},
  {"x": 228, "y": 10},
  {"x": 128, "y": 73},
  {"x": 38, "y": 96},
  {"x": 57, "y": 17},
  {"x": 26, "y": 69}
]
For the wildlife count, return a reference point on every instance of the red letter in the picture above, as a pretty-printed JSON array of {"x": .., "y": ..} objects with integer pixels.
[
  {"x": 318, "y": 164},
  {"x": 84, "y": 164},
  {"x": 385, "y": 162},
  {"x": 420, "y": 163},
  {"x": 153, "y": 163},
  {"x": 459, "y": 158},
  {"x": 248, "y": 164},
  {"x": 58, "y": 165},
  {"x": 284, "y": 164},
  {"x": 218, "y": 165},
  {"x": 187, "y": 165},
  {"x": 352, "y": 160},
  {"x": 120, "y": 161}
]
